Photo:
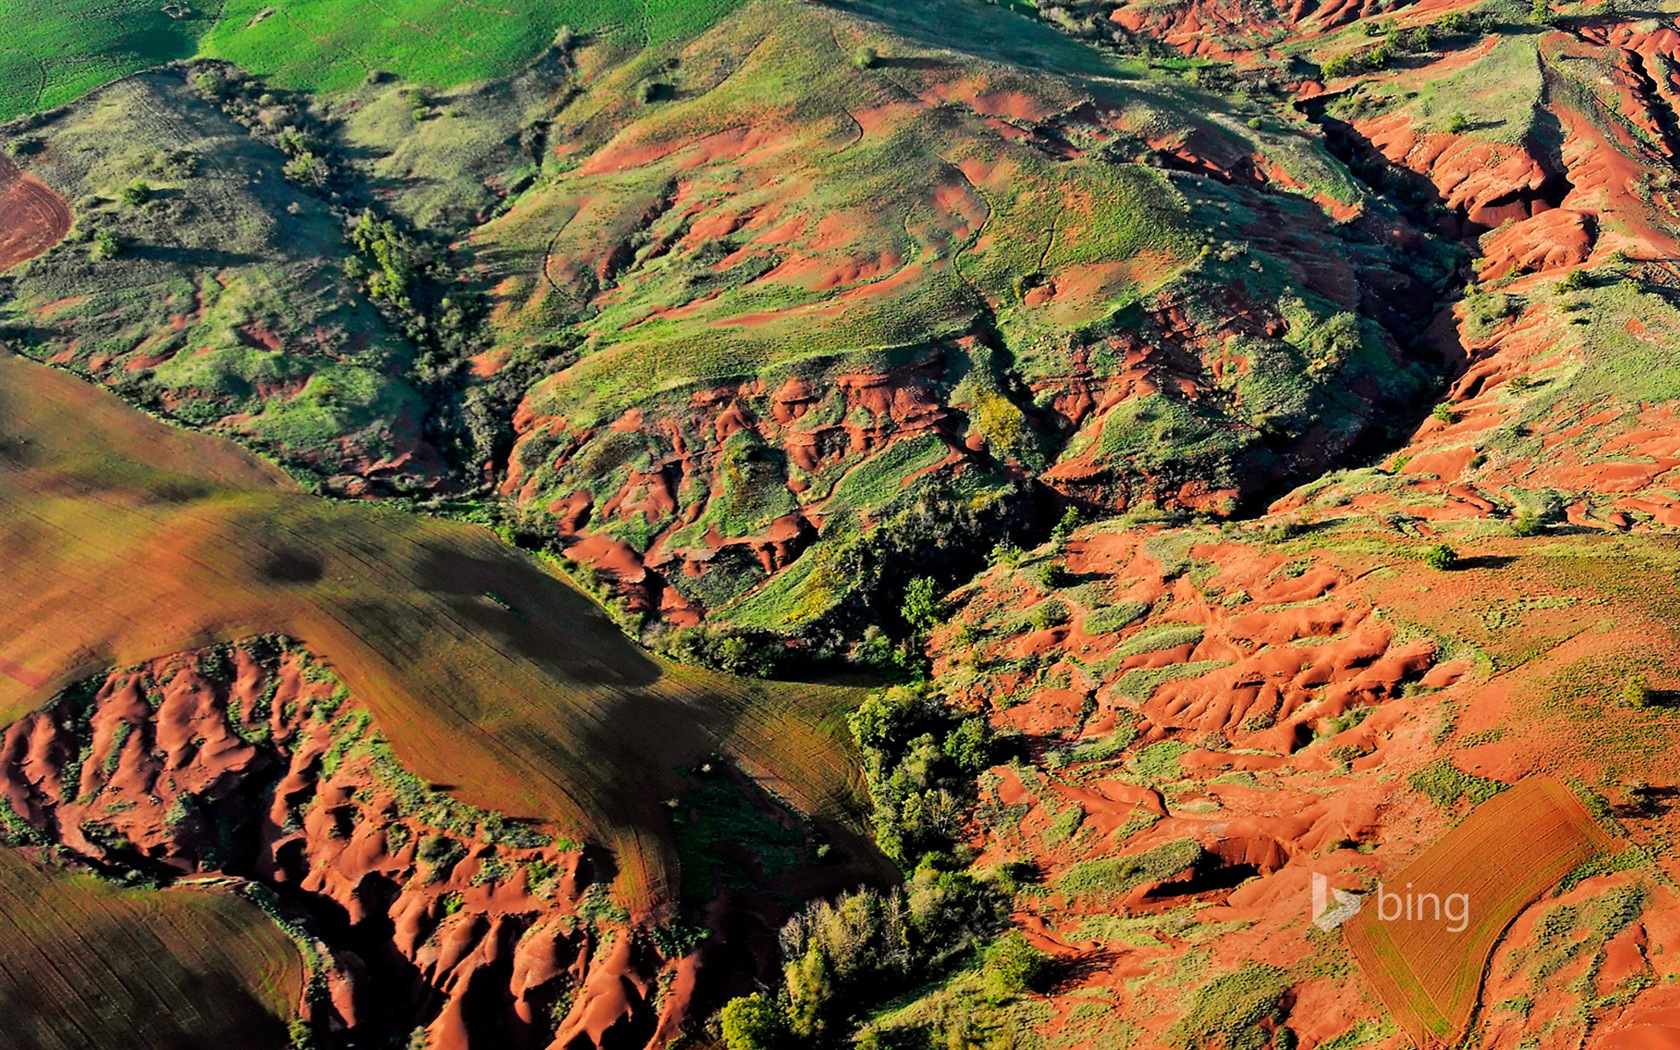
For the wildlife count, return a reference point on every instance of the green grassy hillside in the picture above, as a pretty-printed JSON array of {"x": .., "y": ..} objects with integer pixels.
[
  {"x": 52, "y": 53},
  {"x": 820, "y": 232},
  {"x": 201, "y": 282}
]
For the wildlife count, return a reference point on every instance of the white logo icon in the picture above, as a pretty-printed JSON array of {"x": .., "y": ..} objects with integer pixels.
[{"x": 1331, "y": 908}]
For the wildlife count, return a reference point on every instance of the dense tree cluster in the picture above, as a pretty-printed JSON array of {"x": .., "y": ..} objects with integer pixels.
[{"x": 841, "y": 958}]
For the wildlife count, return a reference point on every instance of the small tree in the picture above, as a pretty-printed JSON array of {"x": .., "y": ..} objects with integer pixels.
[
  {"x": 136, "y": 193},
  {"x": 924, "y": 607},
  {"x": 1457, "y": 124},
  {"x": 210, "y": 83},
  {"x": 306, "y": 169},
  {"x": 106, "y": 245},
  {"x": 1636, "y": 692},
  {"x": 866, "y": 58},
  {"x": 752, "y": 1022},
  {"x": 1444, "y": 413},
  {"x": 1013, "y": 966},
  {"x": 1440, "y": 557}
]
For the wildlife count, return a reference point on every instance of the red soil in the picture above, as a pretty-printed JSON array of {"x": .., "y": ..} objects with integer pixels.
[
  {"x": 32, "y": 217},
  {"x": 176, "y": 763}
]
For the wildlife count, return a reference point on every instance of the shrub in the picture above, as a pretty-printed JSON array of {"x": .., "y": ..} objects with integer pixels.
[
  {"x": 752, "y": 1022},
  {"x": 1445, "y": 783},
  {"x": 105, "y": 246},
  {"x": 1051, "y": 576},
  {"x": 1113, "y": 618},
  {"x": 866, "y": 58},
  {"x": 1440, "y": 557},
  {"x": 1573, "y": 281},
  {"x": 1636, "y": 692},
  {"x": 136, "y": 193},
  {"x": 1457, "y": 124},
  {"x": 1004, "y": 553},
  {"x": 210, "y": 83},
  {"x": 440, "y": 854},
  {"x": 307, "y": 169},
  {"x": 1526, "y": 524},
  {"x": 1444, "y": 413},
  {"x": 1254, "y": 123},
  {"x": 1234, "y": 1011},
  {"x": 1116, "y": 875},
  {"x": 1052, "y": 612},
  {"x": 920, "y": 758},
  {"x": 1013, "y": 966}
]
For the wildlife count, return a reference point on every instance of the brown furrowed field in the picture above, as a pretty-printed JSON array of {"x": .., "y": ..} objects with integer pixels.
[
  {"x": 84, "y": 964},
  {"x": 32, "y": 217},
  {"x": 490, "y": 676},
  {"x": 1502, "y": 857}
]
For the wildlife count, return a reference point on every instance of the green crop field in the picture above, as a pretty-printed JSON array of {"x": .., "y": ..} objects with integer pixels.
[
  {"x": 52, "y": 53},
  {"x": 488, "y": 674},
  {"x": 88, "y": 965}
]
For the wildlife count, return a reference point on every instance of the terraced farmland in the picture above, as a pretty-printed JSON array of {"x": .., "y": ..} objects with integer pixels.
[
  {"x": 489, "y": 675},
  {"x": 1507, "y": 853},
  {"x": 89, "y": 966}
]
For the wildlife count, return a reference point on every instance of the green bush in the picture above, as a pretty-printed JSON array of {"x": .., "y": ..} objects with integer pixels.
[
  {"x": 105, "y": 246},
  {"x": 136, "y": 193},
  {"x": 1154, "y": 639},
  {"x": 1051, "y": 576},
  {"x": 752, "y": 1022},
  {"x": 1113, "y": 618},
  {"x": 1445, "y": 784},
  {"x": 920, "y": 758},
  {"x": 1233, "y": 1011},
  {"x": 1012, "y": 966},
  {"x": 1636, "y": 692},
  {"x": 1117, "y": 875},
  {"x": 1440, "y": 557},
  {"x": 1444, "y": 413},
  {"x": 1575, "y": 280},
  {"x": 924, "y": 605}
]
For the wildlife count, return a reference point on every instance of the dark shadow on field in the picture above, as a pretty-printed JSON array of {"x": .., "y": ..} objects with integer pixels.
[
  {"x": 542, "y": 619},
  {"x": 1484, "y": 561},
  {"x": 1646, "y": 802},
  {"x": 985, "y": 31},
  {"x": 290, "y": 566},
  {"x": 911, "y": 63},
  {"x": 205, "y": 258},
  {"x": 228, "y": 1015},
  {"x": 1070, "y": 972}
]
